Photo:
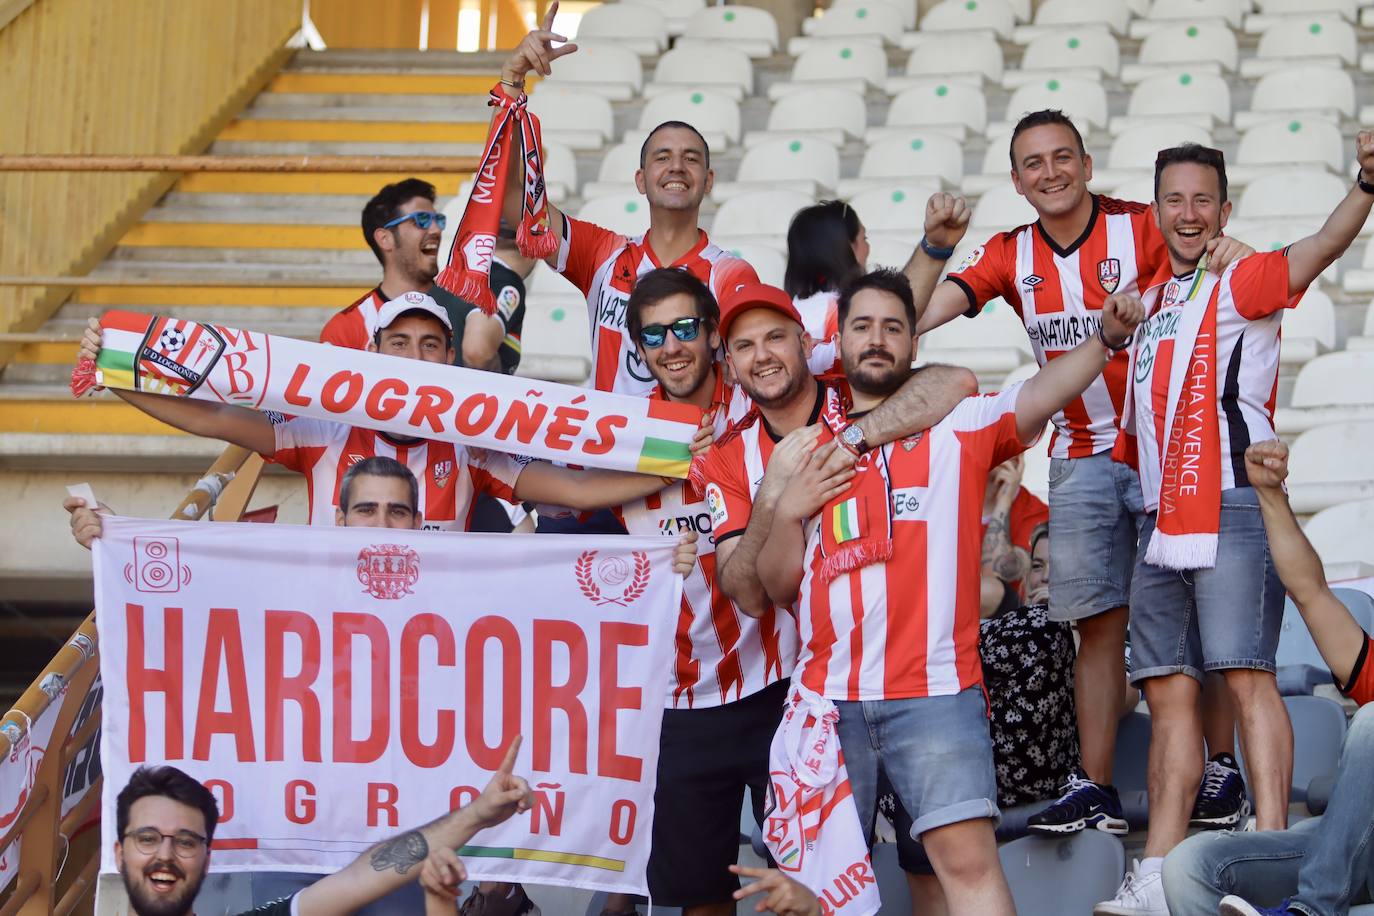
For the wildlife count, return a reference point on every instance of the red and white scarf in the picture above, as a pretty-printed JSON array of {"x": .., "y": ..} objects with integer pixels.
[
  {"x": 856, "y": 526},
  {"x": 467, "y": 274}
]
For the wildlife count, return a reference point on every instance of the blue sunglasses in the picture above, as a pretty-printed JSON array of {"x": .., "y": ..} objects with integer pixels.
[
  {"x": 423, "y": 218},
  {"x": 684, "y": 329}
]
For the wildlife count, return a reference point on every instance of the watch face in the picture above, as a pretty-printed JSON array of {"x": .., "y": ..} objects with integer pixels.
[{"x": 852, "y": 435}]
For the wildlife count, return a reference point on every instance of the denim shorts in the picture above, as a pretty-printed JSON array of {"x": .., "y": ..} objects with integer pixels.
[
  {"x": 1197, "y": 620},
  {"x": 935, "y": 751},
  {"x": 1096, "y": 510}
]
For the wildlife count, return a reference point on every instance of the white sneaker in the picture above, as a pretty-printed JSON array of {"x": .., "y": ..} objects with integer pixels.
[{"x": 1137, "y": 896}]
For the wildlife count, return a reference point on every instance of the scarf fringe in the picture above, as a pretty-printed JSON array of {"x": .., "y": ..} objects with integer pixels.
[
  {"x": 855, "y": 556},
  {"x": 468, "y": 285},
  {"x": 535, "y": 244},
  {"x": 696, "y": 472},
  {"x": 85, "y": 377},
  {"x": 1182, "y": 551}
]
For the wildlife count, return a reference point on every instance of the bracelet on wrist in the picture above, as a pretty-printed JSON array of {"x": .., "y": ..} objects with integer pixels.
[
  {"x": 1365, "y": 186},
  {"x": 1114, "y": 348},
  {"x": 939, "y": 254},
  {"x": 519, "y": 86}
]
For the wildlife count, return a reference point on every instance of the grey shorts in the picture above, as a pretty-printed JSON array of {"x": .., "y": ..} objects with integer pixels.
[{"x": 1096, "y": 510}]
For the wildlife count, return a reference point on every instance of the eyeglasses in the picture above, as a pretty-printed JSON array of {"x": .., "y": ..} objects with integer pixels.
[
  {"x": 684, "y": 329},
  {"x": 185, "y": 844},
  {"x": 423, "y": 219}
]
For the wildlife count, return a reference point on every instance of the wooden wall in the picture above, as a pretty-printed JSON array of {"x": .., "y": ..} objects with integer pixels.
[{"x": 114, "y": 76}]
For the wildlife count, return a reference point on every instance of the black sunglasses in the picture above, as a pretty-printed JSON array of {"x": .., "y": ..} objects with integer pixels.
[{"x": 684, "y": 329}]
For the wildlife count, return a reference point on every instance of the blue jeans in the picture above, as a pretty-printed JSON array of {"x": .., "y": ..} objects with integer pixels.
[{"x": 1322, "y": 863}]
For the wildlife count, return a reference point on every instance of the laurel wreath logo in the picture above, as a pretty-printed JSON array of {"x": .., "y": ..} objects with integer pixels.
[{"x": 584, "y": 570}]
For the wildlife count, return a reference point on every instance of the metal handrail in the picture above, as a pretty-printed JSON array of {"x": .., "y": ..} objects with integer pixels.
[{"x": 153, "y": 163}]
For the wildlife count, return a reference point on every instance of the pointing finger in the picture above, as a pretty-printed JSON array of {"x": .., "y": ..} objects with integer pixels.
[{"x": 508, "y": 762}]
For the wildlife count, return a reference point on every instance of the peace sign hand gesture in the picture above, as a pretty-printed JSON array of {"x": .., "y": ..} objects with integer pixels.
[{"x": 535, "y": 53}]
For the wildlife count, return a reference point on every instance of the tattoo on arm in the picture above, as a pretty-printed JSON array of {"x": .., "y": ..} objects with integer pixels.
[
  {"x": 401, "y": 853},
  {"x": 999, "y": 556}
]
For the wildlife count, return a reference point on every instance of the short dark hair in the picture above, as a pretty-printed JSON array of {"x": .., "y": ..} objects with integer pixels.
[
  {"x": 885, "y": 279},
  {"x": 1038, "y": 534},
  {"x": 378, "y": 466},
  {"x": 820, "y": 252},
  {"x": 682, "y": 125},
  {"x": 385, "y": 206},
  {"x": 1040, "y": 119},
  {"x": 166, "y": 782},
  {"x": 1192, "y": 152},
  {"x": 659, "y": 284}
]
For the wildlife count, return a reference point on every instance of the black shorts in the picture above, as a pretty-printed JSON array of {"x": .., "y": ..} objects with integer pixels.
[{"x": 706, "y": 758}]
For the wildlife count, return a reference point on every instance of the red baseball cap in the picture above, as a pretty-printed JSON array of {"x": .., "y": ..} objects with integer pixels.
[{"x": 749, "y": 296}]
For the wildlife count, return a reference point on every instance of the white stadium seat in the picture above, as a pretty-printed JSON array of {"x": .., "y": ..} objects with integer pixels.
[
  {"x": 1362, "y": 281},
  {"x": 768, "y": 262},
  {"x": 854, "y": 19},
  {"x": 747, "y": 28},
  {"x": 1291, "y": 141},
  {"x": 894, "y": 212},
  {"x": 1001, "y": 208},
  {"x": 1192, "y": 46},
  {"x": 838, "y": 62},
  {"x": 1273, "y": 234},
  {"x": 993, "y": 343},
  {"x": 547, "y": 285},
  {"x": 954, "y": 56},
  {"x": 1231, "y": 12},
  {"x": 1056, "y": 15},
  {"x": 616, "y": 174},
  {"x": 579, "y": 119},
  {"x": 996, "y": 16},
  {"x": 807, "y": 164},
  {"x": 996, "y": 164},
  {"x": 1292, "y": 39},
  {"x": 560, "y": 169},
  {"x": 1133, "y": 151},
  {"x": 1335, "y": 388},
  {"x": 1308, "y": 330},
  {"x": 714, "y": 114},
  {"x": 554, "y": 343},
  {"x": 722, "y": 68},
  {"x": 676, "y": 12},
  {"x": 1292, "y": 194},
  {"x": 923, "y": 154},
  {"x": 758, "y": 215},
  {"x": 1329, "y": 465},
  {"x": 1091, "y": 53},
  {"x": 604, "y": 67},
  {"x": 642, "y": 29},
  {"x": 1083, "y": 100},
  {"x": 1272, "y": 10},
  {"x": 1201, "y": 97},
  {"x": 1341, "y": 533},
  {"x": 933, "y": 104},
  {"x": 1305, "y": 90},
  {"x": 627, "y": 213},
  {"x": 833, "y": 114}
]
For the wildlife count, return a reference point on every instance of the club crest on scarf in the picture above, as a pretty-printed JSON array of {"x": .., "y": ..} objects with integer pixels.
[
  {"x": 388, "y": 571},
  {"x": 176, "y": 356}
]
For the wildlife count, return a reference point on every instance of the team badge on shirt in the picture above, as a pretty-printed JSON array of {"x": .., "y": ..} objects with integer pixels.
[
  {"x": 443, "y": 470},
  {"x": 1109, "y": 273},
  {"x": 972, "y": 260}
]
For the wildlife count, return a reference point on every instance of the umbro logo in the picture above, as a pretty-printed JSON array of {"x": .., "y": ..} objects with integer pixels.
[
  {"x": 354, "y": 457},
  {"x": 1033, "y": 281}
]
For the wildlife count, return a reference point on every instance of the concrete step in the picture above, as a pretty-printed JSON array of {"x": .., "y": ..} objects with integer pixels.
[
  {"x": 431, "y": 83},
  {"x": 282, "y": 102},
  {"x": 397, "y": 61},
  {"x": 269, "y": 211},
  {"x": 394, "y": 130},
  {"x": 456, "y": 109},
  {"x": 351, "y": 260},
  {"x": 361, "y": 185},
  {"x": 401, "y": 147},
  {"x": 265, "y": 202}
]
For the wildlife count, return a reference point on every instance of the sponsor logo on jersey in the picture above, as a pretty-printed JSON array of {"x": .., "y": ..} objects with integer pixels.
[
  {"x": 715, "y": 504},
  {"x": 971, "y": 260},
  {"x": 1032, "y": 281},
  {"x": 906, "y": 504}
]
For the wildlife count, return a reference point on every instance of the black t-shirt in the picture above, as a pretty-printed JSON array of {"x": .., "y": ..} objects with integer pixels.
[
  {"x": 280, "y": 907},
  {"x": 509, "y": 290}
]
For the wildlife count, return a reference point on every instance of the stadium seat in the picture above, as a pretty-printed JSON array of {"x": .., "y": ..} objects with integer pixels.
[
  {"x": 560, "y": 169},
  {"x": 836, "y": 115},
  {"x": 768, "y": 262},
  {"x": 839, "y": 62},
  {"x": 1299, "y": 661},
  {"x": 715, "y": 114},
  {"x": 807, "y": 164},
  {"x": 1278, "y": 144},
  {"x": 993, "y": 343},
  {"x": 1204, "y": 98},
  {"x": 851, "y": 19},
  {"x": 969, "y": 57},
  {"x": 1365, "y": 340},
  {"x": 1335, "y": 388},
  {"x": 1275, "y": 233},
  {"x": 1305, "y": 91},
  {"x": 1132, "y": 153},
  {"x": 642, "y": 29},
  {"x": 1330, "y": 465},
  {"x": 579, "y": 119},
  {"x": 758, "y": 215},
  {"x": 1089, "y": 53},
  {"x": 995, "y": 166},
  {"x": 1293, "y": 39},
  {"x": 1162, "y": 12},
  {"x": 1001, "y": 208},
  {"x": 935, "y": 104},
  {"x": 1362, "y": 281},
  {"x": 746, "y": 28},
  {"x": 1308, "y": 330},
  {"x": 721, "y": 68},
  {"x": 888, "y": 251},
  {"x": 627, "y": 214},
  {"x": 1054, "y": 16},
  {"x": 894, "y": 212},
  {"x": 921, "y": 154},
  {"x": 1193, "y": 46},
  {"x": 1274, "y": 10},
  {"x": 1083, "y": 100},
  {"x": 554, "y": 341},
  {"x": 1132, "y": 754},
  {"x": 996, "y": 16},
  {"x": 604, "y": 67},
  {"x": 1053, "y": 876},
  {"x": 1341, "y": 533},
  {"x": 616, "y": 174},
  {"x": 1294, "y": 193},
  {"x": 676, "y": 12}
]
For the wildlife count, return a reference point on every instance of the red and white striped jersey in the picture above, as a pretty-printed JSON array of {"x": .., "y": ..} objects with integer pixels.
[
  {"x": 605, "y": 266},
  {"x": 354, "y": 326},
  {"x": 449, "y": 475},
  {"x": 720, "y": 653},
  {"x": 1058, "y": 292},
  {"x": 1250, "y": 298},
  {"x": 909, "y": 627}
]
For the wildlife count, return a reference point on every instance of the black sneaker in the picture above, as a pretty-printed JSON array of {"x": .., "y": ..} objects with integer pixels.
[
  {"x": 1084, "y": 804},
  {"x": 1221, "y": 800}
]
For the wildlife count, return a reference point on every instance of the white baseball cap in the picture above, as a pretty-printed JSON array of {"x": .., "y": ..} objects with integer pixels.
[{"x": 411, "y": 302}]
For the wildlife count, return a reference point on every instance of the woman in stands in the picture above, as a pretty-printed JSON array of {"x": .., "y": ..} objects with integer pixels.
[{"x": 826, "y": 248}]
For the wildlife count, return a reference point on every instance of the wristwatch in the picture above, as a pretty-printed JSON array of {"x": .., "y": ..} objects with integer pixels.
[
  {"x": 1363, "y": 185},
  {"x": 853, "y": 439}
]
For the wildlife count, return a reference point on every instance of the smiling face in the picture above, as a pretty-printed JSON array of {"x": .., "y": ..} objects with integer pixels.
[
  {"x": 1038, "y": 579},
  {"x": 674, "y": 175},
  {"x": 768, "y": 352},
  {"x": 1189, "y": 211},
  {"x": 408, "y": 250},
  {"x": 1050, "y": 169},
  {"x": 162, "y": 883},
  {"x": 415, "y": 336},
  {"x": 876, "y": 344},
  {"x": 680, "y": 367}
]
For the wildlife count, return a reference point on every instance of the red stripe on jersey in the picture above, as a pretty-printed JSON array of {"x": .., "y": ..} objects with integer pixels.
[
  {"x": 822, "y": 632},
  {"x": 1049, "y": 294},
  {"x": 856, "y": 635},
  {"x": 607, "y": 357},
  {"x": 907, "y": 632},
  {"x": 1081, "y": 442},
  {"x": 688, "y": 668},
  {"x": 1091, "y": 254},
  {"x": 1159, "y": 386}
]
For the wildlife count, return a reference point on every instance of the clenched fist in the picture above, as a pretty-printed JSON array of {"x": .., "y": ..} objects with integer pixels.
[
  {"x": 947, "y": 217},
  {"x": 1364, "y": 154},
  {"x": 1121, "y": 315}
]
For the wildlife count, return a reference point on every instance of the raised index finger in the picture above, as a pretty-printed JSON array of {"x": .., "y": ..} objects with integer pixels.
[
  {"x": 548, "y": 17},
  {"x": 508, "y": 762}
]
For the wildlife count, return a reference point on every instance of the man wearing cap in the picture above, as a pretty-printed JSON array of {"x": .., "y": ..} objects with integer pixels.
[{"x": 412, "y": 326}]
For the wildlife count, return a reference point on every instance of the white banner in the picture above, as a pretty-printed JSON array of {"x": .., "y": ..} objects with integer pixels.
[{"x": 334, "y": 686}]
